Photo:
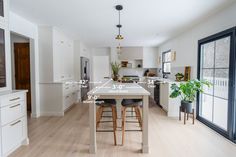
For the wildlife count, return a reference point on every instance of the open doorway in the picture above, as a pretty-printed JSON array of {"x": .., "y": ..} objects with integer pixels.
[{"x": 20, "y": 49}]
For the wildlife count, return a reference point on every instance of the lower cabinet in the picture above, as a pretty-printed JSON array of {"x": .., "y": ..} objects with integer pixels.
[
  {"x": 13, "y": 121},
  {"x": 170, "y": 105},
  {"x": 56, "y": 98}
]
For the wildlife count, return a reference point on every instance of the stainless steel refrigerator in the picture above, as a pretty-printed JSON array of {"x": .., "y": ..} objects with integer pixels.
[{"x": 85, "y": 77}]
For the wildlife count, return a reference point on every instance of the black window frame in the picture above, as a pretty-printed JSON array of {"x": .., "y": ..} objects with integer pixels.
[
  {"x": 231, "y": 131},
  {"x": 164, "y": 62}
]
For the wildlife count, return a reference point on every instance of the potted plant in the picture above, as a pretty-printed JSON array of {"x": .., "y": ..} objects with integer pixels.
[
  {"x": 115, "y": 70},
  {"x": 179, "y": 76},
  {"x": 187, "y": 92}
]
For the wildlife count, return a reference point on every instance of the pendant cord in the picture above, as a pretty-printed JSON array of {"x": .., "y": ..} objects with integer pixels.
[{"x": 119, "y": 22}]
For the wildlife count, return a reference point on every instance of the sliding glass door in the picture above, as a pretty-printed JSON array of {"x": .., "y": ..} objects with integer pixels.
[{"x": 217, "y": 65}]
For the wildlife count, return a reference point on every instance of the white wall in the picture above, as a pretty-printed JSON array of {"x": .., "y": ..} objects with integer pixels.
[
  {"x": 21, "y": 26},
  {"x": 186, "y": 44}
]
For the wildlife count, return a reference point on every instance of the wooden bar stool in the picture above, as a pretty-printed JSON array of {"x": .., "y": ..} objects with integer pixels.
[
  {"x": 133, "y": 104},
  {"x": 102, "y": 104},
  {"x": 185, "y": 113}
]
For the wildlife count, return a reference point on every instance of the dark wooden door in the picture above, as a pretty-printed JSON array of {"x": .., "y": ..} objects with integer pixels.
[{"x": 22, "y": 69}]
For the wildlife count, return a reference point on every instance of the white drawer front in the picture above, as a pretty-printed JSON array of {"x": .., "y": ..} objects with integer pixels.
[
  {"x": 12, "y": 112},
  {"x": 12, "y": 135},
  {"x": 11, "y": 99},
  {"x": 68, "y": 101},
  {"x": 75, "y": 97},
  {"x": 67, "y": 89}
]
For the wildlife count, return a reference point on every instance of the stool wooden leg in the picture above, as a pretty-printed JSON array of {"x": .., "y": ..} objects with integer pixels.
[
  {"x": 193, "y": 116},
  {"x": 184, "y": 116},
  {"x": 116, "y": 116},
  {"x": 99, "y": 116},
  {"x": 114, "y": 122},
  {"x": 123, "y": 124},
  {"x": 180, "y": 113},
  {"x": 138, "y": 114},
  {"x": 187, "y": 115}
]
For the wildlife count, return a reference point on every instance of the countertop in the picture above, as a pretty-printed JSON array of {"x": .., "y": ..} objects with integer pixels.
[
  {"x": 162, "y": 80},
  {"x": 109, "y": 87}
]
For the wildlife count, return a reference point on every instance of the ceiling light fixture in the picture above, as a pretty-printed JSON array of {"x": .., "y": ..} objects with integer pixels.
[
  {"x": 118, "y": 49},
  {"x": 119, "y": 36}
]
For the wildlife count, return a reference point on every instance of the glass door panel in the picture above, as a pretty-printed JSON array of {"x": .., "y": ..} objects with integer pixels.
[
  {"x": 214, "y": 67},
  {"x": 220, "y": 115},
  {"x": 206, "y": 106}
]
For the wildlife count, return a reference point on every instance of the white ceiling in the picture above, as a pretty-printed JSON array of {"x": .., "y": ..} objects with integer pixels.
[{"x": 145, "y": 22}]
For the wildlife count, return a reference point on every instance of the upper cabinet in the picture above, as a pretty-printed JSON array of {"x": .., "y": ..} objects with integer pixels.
[
  {"x": 2, "y": 60},
  {"x": 150, "y": 57},
  {"x": 56, "y": 55},
  {"x": 4, "y": 11},
  {"x": 5, "y": 71},
  {"x": 1, "y": 8},
  {"x": 131, "y": 53},
  {"x": 147, "y": 55}
]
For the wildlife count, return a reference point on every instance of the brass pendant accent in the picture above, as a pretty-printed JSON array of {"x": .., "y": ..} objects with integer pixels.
[{"x": 119, "y": 37}]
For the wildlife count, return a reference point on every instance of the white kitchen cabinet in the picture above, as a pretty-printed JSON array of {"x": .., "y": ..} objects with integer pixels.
[
  {"x": 13, "y": 121},
  {"x": 56, "y": 55},
  {"x": 147, "y": 84},
  {"x": 131, "y": 53},
  {"x": 150, "y": 86},
  {"x": 150, "y": 57},
  {"x": 56, "y": 98},
  {"x": 170, "y": 105}
]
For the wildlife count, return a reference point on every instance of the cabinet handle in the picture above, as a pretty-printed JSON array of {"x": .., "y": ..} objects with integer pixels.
[
  {"x": 15, "y": 99},
  {"x": 16, "y": 123},
  {"x": 14, "y": 106},
  {"x": 67, "y": 96}
]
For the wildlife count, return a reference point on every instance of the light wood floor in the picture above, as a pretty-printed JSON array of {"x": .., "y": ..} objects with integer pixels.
[{"x": 68, "y": 136}]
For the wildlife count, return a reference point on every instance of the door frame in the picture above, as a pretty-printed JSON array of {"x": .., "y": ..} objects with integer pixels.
[
  {"x": 16, "y": 71},
  {"x": 230, "y": 133},
  {"x": 34, "y": 69}
]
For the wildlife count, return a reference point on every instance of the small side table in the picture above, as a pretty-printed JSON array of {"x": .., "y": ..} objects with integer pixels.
[{"x": 185, "y": 113}]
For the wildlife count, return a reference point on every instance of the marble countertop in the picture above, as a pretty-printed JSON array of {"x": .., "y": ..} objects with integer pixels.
[
  {"x": 109, "y": 87},
  {"x": 8, "y": 92}
]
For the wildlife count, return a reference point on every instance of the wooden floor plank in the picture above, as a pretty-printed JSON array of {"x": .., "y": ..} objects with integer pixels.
[{"x": 68, "y": 136}]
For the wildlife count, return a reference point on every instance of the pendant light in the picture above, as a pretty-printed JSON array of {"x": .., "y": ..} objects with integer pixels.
[
  {"x": 119, "y": 36},
  {"x": 118, "y": 49}
]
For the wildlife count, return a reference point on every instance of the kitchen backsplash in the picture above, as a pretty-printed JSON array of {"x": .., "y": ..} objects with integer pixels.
[
  {"x": 140, "y": 71},
  {"x": 134, "y": 71},
  {"x": 174, "y": 71}
]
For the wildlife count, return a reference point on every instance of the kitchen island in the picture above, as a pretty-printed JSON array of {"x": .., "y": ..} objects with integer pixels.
[{"x": 114, "y": 90}]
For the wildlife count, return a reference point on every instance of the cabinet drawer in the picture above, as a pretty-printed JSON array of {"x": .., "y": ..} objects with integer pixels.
[
  {"x": 12, "y": 112},
  {"x": 11, "y": 99},
  {"x": 67, "y": 101},
  {"x": 67, "y": 89},
  {"x": 12, "y": 135}
]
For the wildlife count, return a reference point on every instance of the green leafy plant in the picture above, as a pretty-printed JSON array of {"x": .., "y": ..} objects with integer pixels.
[
  {"x": 187, "y": 91},
  {"x": 179, "y": 76},
  {"x": 115, "y": 70}
]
